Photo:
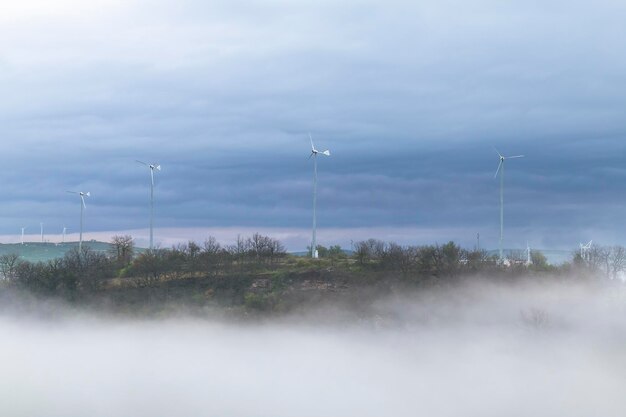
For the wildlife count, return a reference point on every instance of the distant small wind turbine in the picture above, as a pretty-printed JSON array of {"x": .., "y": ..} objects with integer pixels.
[
  {"x": 82, "y": 208},
  {"x": 23, "y": 228},
  {"x": 501, "y": 171},
  {"x": 314, "y": 153},
  {"x": 584, "y": 250},
  {"x": 41, "y": 226},
  {"x": 64, "y": 230},
  {"x": 152, "y": 167},
  {"x": 528, "y": 255}
]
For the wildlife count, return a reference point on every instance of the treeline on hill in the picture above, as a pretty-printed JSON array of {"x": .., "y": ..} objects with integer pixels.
[{"x": 210, "y": 266}]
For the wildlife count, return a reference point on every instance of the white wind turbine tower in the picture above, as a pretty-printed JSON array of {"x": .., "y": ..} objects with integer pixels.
[
  {"x": 64, "y": 231},
  {"x": 152, "y": 167},
  {"x": 501, "y": 171},
  {"x": 41, "y": 226},
  {"x": 314, "y": 153},
  {"x": 23, "y": 228},
  {"x": 529, "y": 259},
  {"x": 82, "y": 208}
]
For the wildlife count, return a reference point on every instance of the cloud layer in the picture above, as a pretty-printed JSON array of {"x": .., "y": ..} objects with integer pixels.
[{"x": 410, "y": 98}]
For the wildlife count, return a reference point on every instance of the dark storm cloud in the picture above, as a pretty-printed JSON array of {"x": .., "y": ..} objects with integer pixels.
[{"x": 411, "y": 98}]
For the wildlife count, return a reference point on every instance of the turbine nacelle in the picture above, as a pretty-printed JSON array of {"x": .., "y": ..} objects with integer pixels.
[
  {"x": 502, "y": 159},
  {"x": 151, "y": 166},
  {"x": 82, "y": 196},
  {"x": 314, "y": 151}
]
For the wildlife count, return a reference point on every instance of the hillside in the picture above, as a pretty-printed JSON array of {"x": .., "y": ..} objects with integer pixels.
[{"x": 38, "y": 251}]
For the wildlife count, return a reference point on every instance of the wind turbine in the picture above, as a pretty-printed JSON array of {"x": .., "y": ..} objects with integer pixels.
[
  {"x": 501, "y": 171},
  {"x": 152, "y": 167},
  {"x": 41, "y": 226},
  {"x": 314, "y": 153},
  {"x": 529, "y": 259},
  {"x": 64, "y": 230},
  {"x": 23, "y": 228},
  {"x": 584, "y": 250},
  {"x": 82, "y": 208}
]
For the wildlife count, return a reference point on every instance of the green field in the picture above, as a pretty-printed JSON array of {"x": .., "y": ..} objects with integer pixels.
[{"x": 37, "y": 251}]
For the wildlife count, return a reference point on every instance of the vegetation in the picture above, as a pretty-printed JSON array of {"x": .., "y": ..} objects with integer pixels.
[{"x": 256, "y": 274}]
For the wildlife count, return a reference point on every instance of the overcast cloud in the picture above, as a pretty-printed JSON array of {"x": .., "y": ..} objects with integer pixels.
[{"x": 410, "y": 97}]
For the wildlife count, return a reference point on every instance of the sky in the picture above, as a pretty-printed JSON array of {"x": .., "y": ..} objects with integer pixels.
[{"x": 411, "y": 97}]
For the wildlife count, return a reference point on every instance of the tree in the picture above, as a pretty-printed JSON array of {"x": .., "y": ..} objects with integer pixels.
[
  {"x": 617, "y": 260},
  {"x": 430, "y": 260},
  {"x": 264, "y": 248},
  {"x": 84, "y": 269},
  {"x": 8, "y": 265},
  {"x": 150, "y": 267},
  {"x": 368, "y": 250},
  {"x": 213, "y": 257},
  {"x": 238, "y": 251},
  {"x": 478, "y": 259},
  {"x": 35, "y": 277},
  {"x": 211, "y": 246},
  {"x": 539, "y": 261},
  {"x": 184, "y": 257},
  {"x": 275, "y": 250},
  {"x": 399, "y": 258},
  {"x": 451, "y": 258},
  {"x": 123, "y": 249},
  {"x": 597, "y": 258}
]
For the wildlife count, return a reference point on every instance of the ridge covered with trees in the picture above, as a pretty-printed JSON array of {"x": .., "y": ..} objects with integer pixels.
[{"x": 256, "y": 274}]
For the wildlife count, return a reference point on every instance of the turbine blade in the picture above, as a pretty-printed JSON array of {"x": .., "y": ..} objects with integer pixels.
[
  {"x": 158, "y": 167},
  {"x": 498, "y": 170},
  {"x": 499, "y": 154},
  {"x": 326, "y": 152},
  {"x": 141, "y": 162},
  {"x": 88, "y": 194},
  {"x": 83, "y": 200},
  {"x": 72, "y": 192},
  {"x": 311, "y": 138},
  {"x": 311, "y": 156},
  {"x": 512, "y": 157}
]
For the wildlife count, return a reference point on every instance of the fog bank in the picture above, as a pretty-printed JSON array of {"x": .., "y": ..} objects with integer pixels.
[{"x": 479, "y": 350}]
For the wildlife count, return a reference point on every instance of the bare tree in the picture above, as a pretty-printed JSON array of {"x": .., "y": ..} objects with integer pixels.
[
  {"x": 239, "y": 251},
  {"x": 151, "y": 267},
  {"x": 597, "y": 258},
  {"x": 8, "y": 265},
  {"x": 430, "y": 260},
  {"x": 211, "y": 246},
  {"x": 123, "y": 248},
  {"x": 275, "y": 250},
  {"x": 212, "y": 256},
  {"x": 617, "y": 260},
  {"x": 370, "y": 249},
  {"x": 399, "y": 258}
]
